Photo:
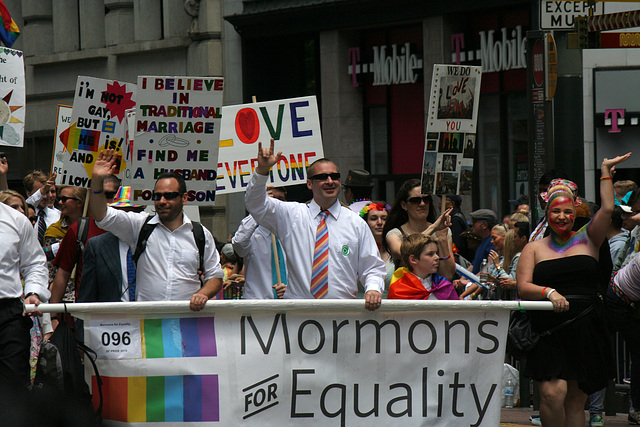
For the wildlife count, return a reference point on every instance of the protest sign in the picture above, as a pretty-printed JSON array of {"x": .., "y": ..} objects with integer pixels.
[
  {"x": 177, "y": 130},
  {"x": 451, "y": 129},
  {"x": 97, "y": 124},
  {"x": 326, "y": 362},
  {"x": 293, "y": 123},
  {"x": 60, "y": 154},
  {"x": 12, "y": 97}
]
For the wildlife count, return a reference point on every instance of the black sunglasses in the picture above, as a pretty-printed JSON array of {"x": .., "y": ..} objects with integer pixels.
[
  {"x": 335, "y": 176},
  {"x": 168, "y": 196},
  {"x": 110, "y": 194},
  {"x": 416, "y": 200},
  {"x": 63, "y": 199}
]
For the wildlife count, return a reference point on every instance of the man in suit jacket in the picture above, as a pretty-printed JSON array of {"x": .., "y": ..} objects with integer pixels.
[{"x": 104, "y": 274}]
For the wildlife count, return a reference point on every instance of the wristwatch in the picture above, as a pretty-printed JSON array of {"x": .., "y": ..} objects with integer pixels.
[{"x": 31, "y": 293}]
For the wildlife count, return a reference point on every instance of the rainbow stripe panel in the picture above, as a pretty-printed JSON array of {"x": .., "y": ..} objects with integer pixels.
[
  {"x": 186, "y": 337},
  {"x": 159, "y": 399}
]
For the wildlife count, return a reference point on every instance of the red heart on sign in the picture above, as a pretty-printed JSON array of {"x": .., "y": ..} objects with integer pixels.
[{"x": 247, "y": 126}]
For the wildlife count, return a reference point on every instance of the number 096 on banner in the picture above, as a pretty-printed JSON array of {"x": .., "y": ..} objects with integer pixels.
[{"x": 115, "y": 339}]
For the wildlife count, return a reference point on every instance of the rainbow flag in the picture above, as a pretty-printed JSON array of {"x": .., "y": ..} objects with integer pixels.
[
  {"x": 159, "y": 399},
  {"x": 9, "y": 31},
  {"x": 184, "y": 337},
  {"x": 75, "y": 138}
]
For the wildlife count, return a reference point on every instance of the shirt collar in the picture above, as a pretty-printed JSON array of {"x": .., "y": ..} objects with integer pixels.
[{"x": 315, "y": 209}]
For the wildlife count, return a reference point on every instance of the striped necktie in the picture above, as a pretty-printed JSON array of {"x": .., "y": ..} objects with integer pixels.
[
  {"x": 320, "y": 269},
  {"x": 42, "y": 227}
]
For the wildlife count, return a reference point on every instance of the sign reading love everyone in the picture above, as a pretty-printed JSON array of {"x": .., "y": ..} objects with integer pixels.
[{"x": 294, "y": 125}]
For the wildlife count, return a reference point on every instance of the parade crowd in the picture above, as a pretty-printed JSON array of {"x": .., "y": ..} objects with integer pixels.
[{"x": 580, "y": 256}]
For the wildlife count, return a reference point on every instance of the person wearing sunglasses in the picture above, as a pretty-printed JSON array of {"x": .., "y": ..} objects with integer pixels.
[
  {"x": 413, "y": 212},
  {"x": 69, "y": 254},
  {"x": 168, "y": 269},
  {"x": 320, "y": 233},
  {"x": 64, "y": 287}
]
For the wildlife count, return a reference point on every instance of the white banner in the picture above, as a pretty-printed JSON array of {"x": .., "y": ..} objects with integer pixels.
[
  {"x": 12, "y": 97},
  {"x": 294, "y": 124},
  {"x": 330, "y": 363},
  {"x": 450, "y": 141},
  {"x": 177, "y": 130}
]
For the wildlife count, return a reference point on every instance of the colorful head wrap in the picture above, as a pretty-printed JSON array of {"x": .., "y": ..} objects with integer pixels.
[
  {"x": 373, "y": 207},
  {"x": 565, "y": 182}
]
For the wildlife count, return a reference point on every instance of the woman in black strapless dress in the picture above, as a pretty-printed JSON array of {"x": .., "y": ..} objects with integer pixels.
[{"x": 575, "y": 360}]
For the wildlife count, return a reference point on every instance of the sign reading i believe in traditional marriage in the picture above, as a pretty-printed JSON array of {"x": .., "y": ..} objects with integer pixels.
[{"x": 177, "y": 130}]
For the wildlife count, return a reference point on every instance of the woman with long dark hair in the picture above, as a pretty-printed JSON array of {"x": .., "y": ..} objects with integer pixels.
[{"x": 413, "y": 212}]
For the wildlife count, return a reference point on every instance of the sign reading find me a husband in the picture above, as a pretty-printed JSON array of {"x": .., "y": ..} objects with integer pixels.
[{"x": 326, "y": 362}]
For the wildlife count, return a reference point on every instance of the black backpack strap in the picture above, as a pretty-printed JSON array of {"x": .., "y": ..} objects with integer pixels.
[
  {"x": 198, "y": 235},
  {"x": 143, "y": 236},
  {"x": 83, "y": 233},
  {"x": 92, "y": 356}
]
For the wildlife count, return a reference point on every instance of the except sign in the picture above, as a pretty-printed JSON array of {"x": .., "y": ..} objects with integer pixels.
[{"x": 560, "y": 15}]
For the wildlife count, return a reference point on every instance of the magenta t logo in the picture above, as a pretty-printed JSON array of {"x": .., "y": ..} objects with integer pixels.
[
  {"x": 614, "y": 113},
  {"x": 354, "y": 58},
  {"x": 457, "y": 43}
]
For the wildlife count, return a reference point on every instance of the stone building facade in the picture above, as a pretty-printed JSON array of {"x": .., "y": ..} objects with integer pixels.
[{"x": 111, "y": 39}]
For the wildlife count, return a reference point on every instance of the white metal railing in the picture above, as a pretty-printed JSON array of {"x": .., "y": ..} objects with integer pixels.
[{"x": 285, "y": 306}]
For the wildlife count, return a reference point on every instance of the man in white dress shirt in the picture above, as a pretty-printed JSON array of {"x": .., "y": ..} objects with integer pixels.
[
  {"x": 41, "y": 194},
  {"x": 254, "y": 244},
  {"x": 353, "y": 255},
  {"x": 20, "y": 254},
  {"x": 168, "y": 268}
]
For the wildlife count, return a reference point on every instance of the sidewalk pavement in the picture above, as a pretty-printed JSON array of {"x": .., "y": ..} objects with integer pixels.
[{"x": 516, "y": 417}]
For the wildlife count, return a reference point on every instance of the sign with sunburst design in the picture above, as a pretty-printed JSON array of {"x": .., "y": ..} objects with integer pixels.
[{"x": 12, "y": 97}]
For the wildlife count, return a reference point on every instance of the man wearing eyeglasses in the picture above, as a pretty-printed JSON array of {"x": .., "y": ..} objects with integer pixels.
[
  {"x": 167, "y": 270},
  {"x": 350, "y": 253}
]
